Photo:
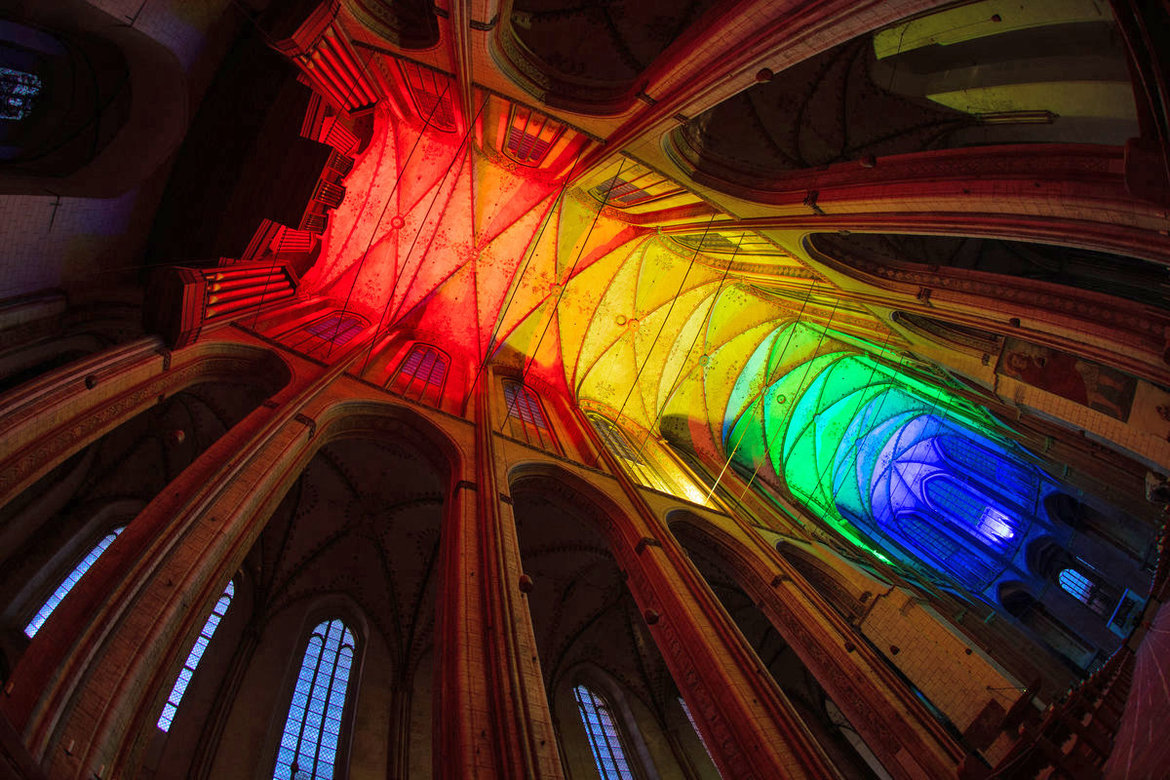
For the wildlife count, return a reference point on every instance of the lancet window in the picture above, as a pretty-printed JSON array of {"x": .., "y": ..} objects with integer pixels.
[
  {"x": 525, "y": 415},
  {"x": 421, "y": 373},
  {"x": 313, "y": 729},
  {"x": 604, "y": 738},
  {"x": 620, "y": 447},
  {"x": 67, "y": 585},
  {"x": 193, "y": 658}
]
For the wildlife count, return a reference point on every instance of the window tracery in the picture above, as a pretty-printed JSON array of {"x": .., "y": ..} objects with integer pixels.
[
  {"x": 422, "y": 373},
  {"x": 525, "y": 415},
  {"x": 530, "y": 135},
  {"x": 604, "y": 738},
  {"x": 325, "y": 334},
  {"x": 312, "y": 730},
  {"x": 431, "y": 93},
  {"x": 619, "y": 445}
]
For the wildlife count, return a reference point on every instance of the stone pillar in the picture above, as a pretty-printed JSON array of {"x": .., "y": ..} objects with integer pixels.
[
  {"x": 88, "y": 680},
  {"x": 886, "y": 714},
  {"x": 492, "y": 716},
  {"x": 746, "y": 721}
]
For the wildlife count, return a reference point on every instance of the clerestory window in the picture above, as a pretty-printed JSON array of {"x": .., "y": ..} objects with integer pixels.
[
  {"x": 421, "y": 374},
  {"x": 63, "y": 589},
  {"x": 620, "y": 447},
  {"x": 321, "y": 337},
  {"x": 193, "y": 658},
  {"x": 313, "y": 729},
  {"x": 604, "y": 738},
  {"x": 524, "y": 415}
]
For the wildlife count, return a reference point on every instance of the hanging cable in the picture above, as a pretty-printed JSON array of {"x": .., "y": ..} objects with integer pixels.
[
  {"x": 385, "y": 206},
  {"x": 557, "y": 203},
  {"x": 669, "y": 310},
  {"x": 564, "y": 285},
  {"x": 783, "y": 353},
  {"x": 459, "y": 153},
  {"x": 678, "y": 379}
]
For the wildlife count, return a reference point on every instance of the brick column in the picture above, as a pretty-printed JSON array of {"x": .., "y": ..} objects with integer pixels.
[
  {"x": 492, "y": 718},
  {"x": 886, "y": 714},
  {"x": 89, "y": 678},
  {"x": 746, "y": 721}
]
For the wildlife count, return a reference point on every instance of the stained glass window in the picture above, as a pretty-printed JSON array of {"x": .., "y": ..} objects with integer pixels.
[
  {"x": 967, "y": 566},
  {"x": 1076, "y": 584},
  {"x": 634, "y": 187},
  {"x": 18, "y": 92},
  {"x": 189, "y": 666},
  {"x": 421, "y": 373},
  {"x": 63, "y": 589},
  {"x": 524, "y": 416},
  {"x": 431, "y": 92},
  {"x": 338, "y": 328},
  {"x": 312, "y": 732},
  {"x": 972, "y": 512},
  {"x": 1009, "y": 476},
  {"x": 530, "y": 135},
  {"x": 524, "y": 405},
  {"x": 616, "y": 442},
  {"x": 604, "y": 739}
]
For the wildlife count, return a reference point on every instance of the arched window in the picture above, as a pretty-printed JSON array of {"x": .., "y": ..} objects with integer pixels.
[
  {"x": 188, "y": 670},
  {"x": 1091, "y": 591},
  {"x": 973, "y": 513},
  {"x": 619, "y": 446},
  {"x": 63, "y": 589},
  {"x": 1076, "y": 584},
  {"x": 322, "y": 336},
  {"x": 337, "y": 329},
  {"x": 18, "y": 93},
  {"x": 525, "y": 415},
  {"x": 312, "y": 732},
  {"x": 635, "y": 187},
  {"x": 925, "y": 536},
  {"x": 431, "y": 92},
  {"x": 604, "y": 739},
  {"x": 530, "y": 135},
  {"x": 421, "y": 373}
]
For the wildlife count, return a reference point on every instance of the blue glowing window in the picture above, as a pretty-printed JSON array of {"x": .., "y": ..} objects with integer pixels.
[
  {"x": 687, "y": 711},
  {"x": 337, "y": 329},
  {"x": 994, "y": 469},
  {"x": 63, "y": 589},
  {"x": 422, "y": 372},
  {"x": 312, "y": 731},
  {"x": 524, "y": 404},
  {"x": 967, "y": 567},
  {"x": 188, "y": 670},
  {"x": 604, "y": 740},
  {"x": 18, "y": 92},
  {"x": 972, "y": 512},
  {"x": 1076, "y": 584}
]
